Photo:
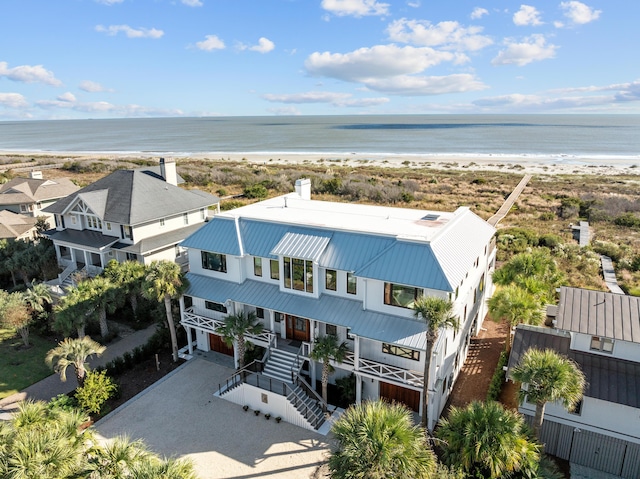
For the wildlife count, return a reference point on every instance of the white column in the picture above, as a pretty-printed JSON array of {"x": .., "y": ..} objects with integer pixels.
[
  {"x": 189, "y": 340},
  {"x": 356, "y": 353},
  {"x": 313, "y": 324},
  {"x": 272, "y": 321},
  {"x": 358, "y": 389}
]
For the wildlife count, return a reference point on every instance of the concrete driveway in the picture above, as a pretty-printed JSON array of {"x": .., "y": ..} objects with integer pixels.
[{"x": 179, "y": 417}]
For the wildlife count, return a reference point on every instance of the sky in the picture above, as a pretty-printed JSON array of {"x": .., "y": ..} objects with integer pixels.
[{"x": 63, "y": 59}]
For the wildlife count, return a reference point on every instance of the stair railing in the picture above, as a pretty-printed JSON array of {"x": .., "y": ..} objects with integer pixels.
[{"x": 306, "y": 387}]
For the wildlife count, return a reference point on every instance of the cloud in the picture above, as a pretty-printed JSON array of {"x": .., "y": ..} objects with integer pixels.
[
  {"x": 264, "y": 46},
  {"x": 192, "y": 3},
  {"x": 109, "y": 2},
  {"x": 629, "y": 91},
  {"x": 447, "y": 34},
  {"x": 68, "y": 96},
  {"x": 92, "y": 87},
  {"x": 579, "y": 13},
  {"x": 356, "y": 8},
  {"x": 534, "y": 48},
  {"x": 413, "y": 4},
  {"x": 426, "y": 85},
  {"x": 113, "y": 30},
  {"x": 335, "y": 99},
  {"x": 527, "y": 15},
  {"x": 479, "y": 12},
  {"x": 29, "y": 74},
  {"x": 210, "y": 43},
  {"x": 12, "y": 100},
  {"x": 66, "y": 102}
]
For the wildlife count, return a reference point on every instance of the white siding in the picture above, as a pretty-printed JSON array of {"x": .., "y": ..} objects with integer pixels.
[
  {"x": 373, "y": 350},
  {"x": 621, "y": 349},
  {"x": 234, "y": 272}
]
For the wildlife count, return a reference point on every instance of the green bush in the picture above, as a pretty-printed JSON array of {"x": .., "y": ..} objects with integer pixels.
[
  {"x": 550, "y": 241},
  {"x": 62, "y": 402},
  {"x": 256, "y": 191},
  {"x": 497, "y": 381},
  {"x": 98, "y": 388},
  {"x": 611, "y": 250},
  {"x": 627, "y": 219}
]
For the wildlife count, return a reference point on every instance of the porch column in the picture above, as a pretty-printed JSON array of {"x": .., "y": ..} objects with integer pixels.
[
  {"x": 358, "y": 389},
  {"x": 189, "y": 340},
  {"x": 313, "y": 324},
  {"x": 312, "y": 369},
  {"x": 356, "y": 353},
  {"x": 58, "y": 256},
  {"x": 272, "y": 321},
  {"x": 87, "y": 262}
]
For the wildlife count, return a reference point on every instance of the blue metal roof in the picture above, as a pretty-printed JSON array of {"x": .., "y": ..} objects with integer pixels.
[
  {"x": 303, "y": 246},
  {"x": 328, "y": 309},
  {"x": 218, "y": 235},
  {"x": 411, "y": 264},
  {"x": 351, "y": 251}
]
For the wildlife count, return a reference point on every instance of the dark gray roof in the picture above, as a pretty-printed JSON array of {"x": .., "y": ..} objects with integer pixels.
[
  {"x": 164, "y": 240},
  {"x": 137, "y": 196},
  {"x": 608, "y": 378},
  {"x": 598, "y": 313},
  {"x": 86, "y": 238}
]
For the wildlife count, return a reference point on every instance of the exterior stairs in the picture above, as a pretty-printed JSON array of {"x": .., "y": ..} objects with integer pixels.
[
  {"x": 306, "y": 406},
  {"x": 282, "y": 365}
]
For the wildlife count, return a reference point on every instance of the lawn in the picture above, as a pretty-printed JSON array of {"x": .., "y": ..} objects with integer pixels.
[{"x": 21, "y": 367}]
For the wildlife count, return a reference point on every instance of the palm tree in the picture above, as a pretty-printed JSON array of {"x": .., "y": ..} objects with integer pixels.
[
  {"x": 73, "y": 352},
  {"x": 538, "y": 264},
  {"x": 236, "y": 327},
  {"x": 104, "y": 296},
  {"x": 516, "y": 305},
  {"x": 487, "y": 440},
  {"x": 549, "y": 376},
  {"x": 377, "y": 440},
  {"x": 165, "y": 469},
  {"x": 73, "y": 310},
  {"x": 324, "y": 350},
  {"x": 438, "y": 314},
  {"x": 129, "y": 276},
  {"x": 163, "y": 282},
  {"x": 37, "y": 297},
  {"x": 117, "y": 459}
]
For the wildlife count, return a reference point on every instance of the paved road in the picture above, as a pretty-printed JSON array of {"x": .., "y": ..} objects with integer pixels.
[
  {"x": 51, "y": 386},
  {"x": 506, "y": 206}
]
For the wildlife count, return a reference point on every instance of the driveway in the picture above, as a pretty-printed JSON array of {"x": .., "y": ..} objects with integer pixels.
[{"x": 180, "y": 417}]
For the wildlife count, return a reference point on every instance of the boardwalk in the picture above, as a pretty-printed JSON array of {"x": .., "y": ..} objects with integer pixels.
[
  {"x": 610, "y": 275},
  {"x": 504, "y": 209}
]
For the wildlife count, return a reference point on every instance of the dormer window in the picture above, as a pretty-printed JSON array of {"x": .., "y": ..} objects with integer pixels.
[
  {"x": 604, "y": 345},
  {"x": 94, "y": 223},
  {"x": 298, "y": 274}
]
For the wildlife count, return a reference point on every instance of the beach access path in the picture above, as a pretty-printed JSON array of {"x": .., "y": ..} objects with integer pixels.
[
  {"x": 506, "y": 206},
  {"x": 51, "y": 386}
]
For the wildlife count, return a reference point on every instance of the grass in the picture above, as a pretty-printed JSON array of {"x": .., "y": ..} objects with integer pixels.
[{"x": 21, "y": 367}]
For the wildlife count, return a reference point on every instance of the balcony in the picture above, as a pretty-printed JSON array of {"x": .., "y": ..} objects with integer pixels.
[{"x": 381, "y": 371}]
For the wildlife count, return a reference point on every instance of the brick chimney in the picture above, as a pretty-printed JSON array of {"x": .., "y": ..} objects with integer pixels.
[{"x": 168, "y": 171}]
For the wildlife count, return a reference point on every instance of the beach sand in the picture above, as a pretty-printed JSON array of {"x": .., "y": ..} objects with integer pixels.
[{"x": 521, "y": 164}]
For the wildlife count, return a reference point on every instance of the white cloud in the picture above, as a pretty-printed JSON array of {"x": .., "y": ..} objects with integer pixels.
[
  {"x": 112, "y": 30},
  {"x": 534, "y": 48},
  {"x": 109, "y": 2},
  {"x": 356, "y": 8},
  {"x": 192, "y": 3},
  {"x": 629, "y": 91},
  {"x": 579, "y": 13},
  {"x": 210, "y": 43},
  {"x": 479, "y": 12},
  {"x": 68, "y": 96},
  {"x": 106, "y": 108},
  {"x": 426, "y": 85},
  {"x": 91, "y": 87},
  {"x": 413, "y": 4},
  {"x": 29, "y": 74},
  {"x": 527, "y": 15},
  {"x": 264, "y": 46},
  {"x": 447, "y": 34},
  {"x": 380, "y": 61},
  {"x": 335, "y": 99},
  {"x": 12, "y": 100}
]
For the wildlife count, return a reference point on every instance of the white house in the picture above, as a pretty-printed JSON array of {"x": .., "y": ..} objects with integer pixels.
[
  {"x": 601, "y": 333},
  {"x": 139, "y": 215},
  {"x": 310, "y": 268}
]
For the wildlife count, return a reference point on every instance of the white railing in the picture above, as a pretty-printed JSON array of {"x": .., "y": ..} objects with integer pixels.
[
  {"x": 189, "y": 318},
  {"x": 71, "y": 267},
  {"x": 384, "y": 371},
  {"x": 93, "y": 271}
]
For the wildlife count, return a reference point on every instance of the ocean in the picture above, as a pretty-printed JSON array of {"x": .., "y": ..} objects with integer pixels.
[{"x": 569, "y": 139}]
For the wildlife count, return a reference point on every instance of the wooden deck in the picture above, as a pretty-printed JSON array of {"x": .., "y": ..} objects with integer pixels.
[{"x": 506, "y": 206}]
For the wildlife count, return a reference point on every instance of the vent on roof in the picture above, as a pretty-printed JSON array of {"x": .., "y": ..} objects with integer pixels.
[{"x": 430, "y": 217}]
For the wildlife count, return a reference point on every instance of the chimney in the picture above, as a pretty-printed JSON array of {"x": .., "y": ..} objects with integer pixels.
[
  {"x": 36, "y": 175},
  {"x": 168, "y": 171},
  {"x": 303, "y": 188}
]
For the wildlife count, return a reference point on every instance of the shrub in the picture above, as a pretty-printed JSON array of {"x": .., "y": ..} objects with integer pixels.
[
  {"x": 497, "y": 381},
  {"x": 230, "y": 205},
  {"x": 257, "y": 191},
  {"x": 550, "y": 240},
  {"x": 627, "y": 219},
  {"x": 62, "y": 402},
  {"x": 547, "y": 216},
  {"x": 98, "y": 388},
  {"x": 611, "y": 250}
]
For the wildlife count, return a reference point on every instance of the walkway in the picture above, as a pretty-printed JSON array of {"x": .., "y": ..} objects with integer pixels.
[
  {"x": 506, "y": 206},
  {"x": 51, "y": 386},
  {"x": 609, "y": 274}
]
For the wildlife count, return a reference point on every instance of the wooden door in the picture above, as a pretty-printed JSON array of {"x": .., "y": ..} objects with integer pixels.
[
  {"x": 408, "y": 397},
  {"x": 298, "y": 328},
  {"x": 217, "y": 344}
]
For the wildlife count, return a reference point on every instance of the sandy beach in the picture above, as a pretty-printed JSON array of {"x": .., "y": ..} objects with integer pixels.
[{"x": 521, "y": 164}]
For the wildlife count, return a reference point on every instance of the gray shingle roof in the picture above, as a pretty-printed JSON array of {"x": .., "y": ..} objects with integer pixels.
[
  {"x": 85, "y": 238},
  {"x": 136, "y": 196},
  {"x": 161, "y": 241},
  {"x": 31, "y": 190}
]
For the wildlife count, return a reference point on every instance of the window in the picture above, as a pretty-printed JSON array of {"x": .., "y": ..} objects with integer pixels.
[
  {"x": 257, "y": 266},
  {"x": 132, "y": 257},
  {"x": 604, "y": 345},
  {"x": 274, "y": 266},
  {"x": 93, "y": 222},
  {"x": 188, "y": 301},
  {"x": 298, "y": 274},
  {"x": 161, "y": 221},
  {"x": 330, "y": 277},
  {"x": 331, "y": 329},
  {"x": 126, "y": 231},
  {"x": 24, "y": 208},
  {"x": 401, "y": 352},
  {"x": 482, "y": 283},
  {"x": 221, "y": 308},
  {"x": 352, "y": 283},
  {"x": 402, "y": 296},
  {"x": 185, "y": 218},
  {"x": 108, "y": 225},
  {"x": 203, "y": 215},
  {"x": 278, "y": 317},
  {"x": 577, "y": 409},
  {"x": 214, "y": 261},
  {"x": 260, "y": 313}
]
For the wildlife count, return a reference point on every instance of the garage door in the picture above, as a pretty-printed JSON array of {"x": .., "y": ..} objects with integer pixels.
[
  {"x": 408, "y": 397},
  {"x": 216, "y": 343}
]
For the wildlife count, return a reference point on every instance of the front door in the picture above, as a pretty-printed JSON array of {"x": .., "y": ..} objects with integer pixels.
[{"x": 298, "y": 328}]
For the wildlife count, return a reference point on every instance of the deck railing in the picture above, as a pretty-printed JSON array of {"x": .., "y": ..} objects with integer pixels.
[{"x": 384, "y": 371}]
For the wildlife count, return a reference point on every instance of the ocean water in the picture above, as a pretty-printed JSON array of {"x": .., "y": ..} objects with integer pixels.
[{"x": 564, "y": 138}]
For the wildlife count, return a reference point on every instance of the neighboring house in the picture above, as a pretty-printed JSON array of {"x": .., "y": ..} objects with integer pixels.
[
  {"x": 601, "y": 333},
  {"x": 15, "y": 226},
  {"x": 29, "y": 196},
  {"x": 311, "y": 268},
  {"x": 139, "y": 215}
]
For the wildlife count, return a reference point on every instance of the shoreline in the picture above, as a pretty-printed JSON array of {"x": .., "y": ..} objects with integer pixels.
[{"x": 532, "y": 164}]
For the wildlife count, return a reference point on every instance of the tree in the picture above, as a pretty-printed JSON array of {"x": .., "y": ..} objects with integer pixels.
[
  {"x": 37, "y": 298},
  {"x": 515, "y": 305},
  {"x": 438, "y": 314},
  {"x": 324, "y": 350},
  {"x": 487, "y": 441},
  {"x": 15, "y": 314},
  {"x": 73, "y": 310},
  {"x": 117, "y": 459},
  {"x": 236, "y": 327},
  {"x": 163, "y": 282},
  {"x": 377, "y": 440},
  {"x": 549, "y": 377},
  {"x": 129, "y": 276},
  {"x": 104, "y": 297},
  {"x": 73, "y": 352}
]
